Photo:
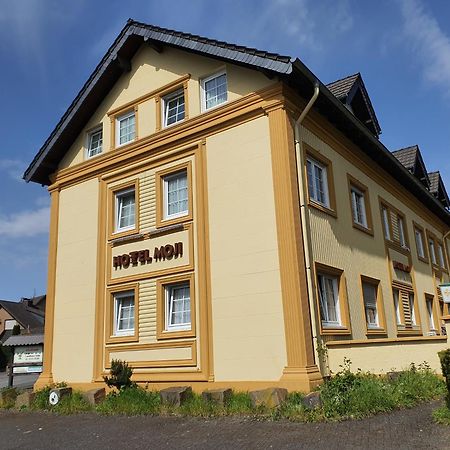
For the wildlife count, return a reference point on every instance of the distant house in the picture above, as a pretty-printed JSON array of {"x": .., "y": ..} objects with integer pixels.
[{"x": 28, "y": 313}]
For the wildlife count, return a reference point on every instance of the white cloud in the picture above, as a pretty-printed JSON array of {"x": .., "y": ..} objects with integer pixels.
[
  {"x": 13, "y": 167},
  {"x": 428, "y": 42},
  {"x": 25, "y": 223}
]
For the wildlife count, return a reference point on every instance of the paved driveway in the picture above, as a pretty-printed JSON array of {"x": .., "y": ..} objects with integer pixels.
[
  {"x": 407, "y": 429},
  {"x": 19, "y": 381}
]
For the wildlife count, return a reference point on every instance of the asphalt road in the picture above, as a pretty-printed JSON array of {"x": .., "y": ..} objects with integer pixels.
[{"x": 407, "y": 429}]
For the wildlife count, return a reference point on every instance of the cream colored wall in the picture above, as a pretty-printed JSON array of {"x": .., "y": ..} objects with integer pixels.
[
  {"x": 4, "y": 315},
  {"x": 382, "y": 358},
  {"x": 73, "y": 340},
  {"x": 337, "y": 243},
  {"x": 247, "y": 315},
  {"x": 151, "y": 71}
]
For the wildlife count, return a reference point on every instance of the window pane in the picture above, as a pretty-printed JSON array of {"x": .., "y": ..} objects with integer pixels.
[
  {"x": 176, "y": 187},
  {"x": 215, "y": 91},
  {"x": 329, "y": 299},
  {"x": 401, "y": 231},
  {"x": 441, "y": 255},
  {"x": 126, "y": 129},
  {"x": 411, "y": 309},
  {"x": 174, "y": 109},
  {"x": 358, "y": 207},
  {"x": 432, "y": 251},
  {"x": 387, "y": 231},
  {"x": 125, "y": 210},
  {"x": 430, "y": 313},
  {"x": 317, "y": 182},
  {"x": 370, "y": 304},
  {"x": 396, "y": 294},
  {"x": 124, "y": 313},
  {"x": 179, "y": 306},
  {"x": 419, "y": 243},
  {"x": 95, "y": 143}
]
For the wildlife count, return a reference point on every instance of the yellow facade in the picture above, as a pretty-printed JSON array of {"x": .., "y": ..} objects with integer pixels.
[{"x": 240, "y": 247}]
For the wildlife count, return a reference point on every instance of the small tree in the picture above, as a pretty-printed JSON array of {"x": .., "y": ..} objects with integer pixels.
[
  {"x": 16, "y": 330},
  {"x": 120, "y": 375},
  {"x": 444, "y": 356}
]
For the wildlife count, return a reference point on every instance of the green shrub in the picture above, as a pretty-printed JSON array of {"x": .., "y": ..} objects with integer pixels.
[
  {"x": 121, "y": 374},
  {"x": 444, "y": 356},
  {"x": 8, "y": 397},
  {"x": 131, "y": 402},
  {"x": 5, "y": 356}
]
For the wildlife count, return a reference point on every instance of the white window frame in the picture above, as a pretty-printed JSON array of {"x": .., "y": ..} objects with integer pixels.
[
  {"x": 326, "y": 323},
  {"x": 117, "y": 297},
  {"x": 419, "y": 242},
  {"x": 203, "y": 90},
  {"x": 118, "y": 120},
  {"x": 164, "y": 105},
  {"x": 168, "y": 290},
  {"x": 429, "y": 303},
  {"x": 386, "y": 222},
  {"x": 90, "y": 135},
  {"x": 312, "y": 188},
  {"x": 397, "y": 299},
  {"x": 440, "y": 249},
  {"x": 368, "y": 305},
  {"x": 166, "y": 179},
  {"x": 118, "y": 208},
  {"x": 432, "y": 249},
  {"x": 359, "y": 199},
  {"x": 401, "y": 231},
  {"x": 412, "y": 312}
]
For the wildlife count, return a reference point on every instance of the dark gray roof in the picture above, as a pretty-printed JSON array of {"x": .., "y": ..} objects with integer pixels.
[
  {"x": 341, "y": 88},
  {"x": 407, "y": 156},
  {"x": 5, "y": 335},
  {"x": 24, "y": 339},
  {"x": 27, "y": 318},
  {"x": 292, "y": 72}
]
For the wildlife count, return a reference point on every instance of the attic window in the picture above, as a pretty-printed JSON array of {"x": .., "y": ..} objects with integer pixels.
[{"x": 126, "y": 128}]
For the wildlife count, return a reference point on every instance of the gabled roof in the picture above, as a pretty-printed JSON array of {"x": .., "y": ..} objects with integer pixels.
[
  {"x": 411, "y": 159},
  {"x": 437, "y": 188},
  {"x": 294, "y": 73},
  {"x": 353, "y": 93},
  {"x": 23, "y": 315}
]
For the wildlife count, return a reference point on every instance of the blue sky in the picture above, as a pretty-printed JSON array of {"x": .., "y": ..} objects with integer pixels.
[{"x": 48, "y": 48}]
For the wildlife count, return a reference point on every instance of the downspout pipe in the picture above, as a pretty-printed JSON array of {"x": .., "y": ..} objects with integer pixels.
[{"x": 306, "y": 228}]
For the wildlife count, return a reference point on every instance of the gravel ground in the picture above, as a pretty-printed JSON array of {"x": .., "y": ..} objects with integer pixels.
[{"x": 405, "y": 429}]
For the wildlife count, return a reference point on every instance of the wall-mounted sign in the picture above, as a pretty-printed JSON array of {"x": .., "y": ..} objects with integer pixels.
[
  {"x": 162, "y": 253},
  {"x": 159, "y": 254},
  {"x": 400, "y": 266},
  {"x": 445, "y": 291},
  {"x": 30, "y": 354}
]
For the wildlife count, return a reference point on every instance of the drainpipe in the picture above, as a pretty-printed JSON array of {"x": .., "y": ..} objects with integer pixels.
[{"x": 306, "y": 228}]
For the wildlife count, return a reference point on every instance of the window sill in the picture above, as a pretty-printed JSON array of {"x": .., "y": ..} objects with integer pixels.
[
  {"x": 335, "y": 330},
  {"x": 410, "y": 332},
  {"x": 121, "y": 234},
  {"x": 362, "y": 228},
  {"x": 424, "y": 260},
  {"x": 175, "y": 221},
  {"x": 176, "y": 334},
  {"x": 376, "y": 332},
  {"x": 323, "y": 208},
  {"x": 122, "y": 339},
  {"x": 396, "y": 246}
]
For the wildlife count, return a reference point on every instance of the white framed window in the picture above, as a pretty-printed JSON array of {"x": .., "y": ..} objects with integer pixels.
[
  {"x": 214, "y": 91},
  {"x": 370, "y": 292},
  {"x": 358, "y": 207},
  {"x": 329, "y": 300},
  {"x": 317, "y": 182},
  {"x": 401, "y": 231},
  {"x": 441, "y": 255},
  {"x": 125, "y": 217},
  {"x": 95, "y": 143},
  {"x": 419, "y": 243},
  {"x": 429, "y": 303},
  {"x": 411, "y": 308},
  {"x": 125, "y": 128},
  {"x": 396, "y": 294},
  {"x": 123, "y": 313},
  {"x": 386, "y": 228},
  {"x": 178, "y": 306},
  {"x": 173, "y": 108},
  {"x": 432, "y": 251},
  {"x": 176, "y": 195}
]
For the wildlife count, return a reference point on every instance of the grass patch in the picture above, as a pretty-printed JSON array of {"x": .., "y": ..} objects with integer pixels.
[
  {"x": 8, "y": 398},
  {"x": 71, "y": 404},
  {"x": 132, "y": 401},
  {"x": 442, "y": 415},
  {"x": 346, "y": 395}
]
